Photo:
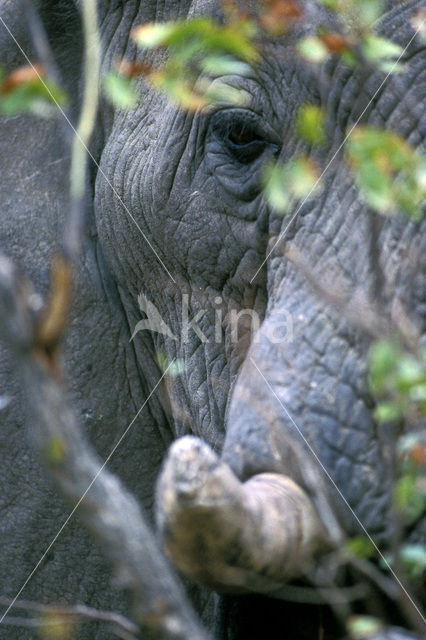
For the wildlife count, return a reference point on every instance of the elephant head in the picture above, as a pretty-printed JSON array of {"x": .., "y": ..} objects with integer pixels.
[
  {"x": 179, "y": 228},
  {"x": 298, "y": 406}
]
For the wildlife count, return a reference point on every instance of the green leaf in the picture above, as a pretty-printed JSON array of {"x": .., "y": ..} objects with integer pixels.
[
  {"x": 39, "y": 96},
  {"x": 407, "y": 442},
  {"x": 313, "y": 49},
  {"x": 382, "y": 360},
  {"x": 361, "y": 627},
  {"x": 275, "y": 189},
  {"x": 410, "y": 372},
  {"x": 198, "y": 51},
  {"x": 389, "y": 172},
  {"x": 296, "y": 179},
  {"x": 413, "y": 557},
  {"x": 369, "y": 11},
  {"x": 302, "y": 176},
  {"x": 388, "y": 411},
  {"x": 361, "y": 547},
  {"x": 377, "y": 48},
  {"x": 173, "y": 367},
  {"x": 56, "y": 450},
  {"x": 206, "y": 32},
  {"x": 334, "y": 5},
  {"x": 156, "y": 34},
  {"x": 377, "y": 187},
  {"x": 417, "y": 393},
  {"x": 181, "y": 91},
  {"x": 361, "y": 12},
  {"x": 222, "y": 65},
  {"x": 390, "y": 66},
  {"x": 410, "y": 500},
  {"x": 120, "y": 90},
  {"x": 310, "y": 124},
  {"x": 219, "y": 92}
]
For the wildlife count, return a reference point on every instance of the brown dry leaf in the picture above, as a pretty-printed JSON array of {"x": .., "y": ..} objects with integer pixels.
[
  {"x": 21, "y": 75},
  {"x": 283, "y": 9},
  {"x": 279, "y": 14},
  {"x": 133, "y": 69},
  {"x": 418, "y": 454},
  {"x": 335, "y": 42}
]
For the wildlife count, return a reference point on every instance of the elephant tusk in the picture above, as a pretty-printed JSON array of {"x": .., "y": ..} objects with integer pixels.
[{"x": 228, "y": 535}]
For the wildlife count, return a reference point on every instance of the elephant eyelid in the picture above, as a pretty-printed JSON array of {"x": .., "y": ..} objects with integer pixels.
[{"x": 241, "y": 135}]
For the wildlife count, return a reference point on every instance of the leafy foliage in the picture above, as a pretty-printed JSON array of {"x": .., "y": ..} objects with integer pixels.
[
  {"x": 363, "y": 627},
  {"x": 399, "y": 378},
  {"x": 173, "y": 367},
  {"x": 361, "y": 547},
  {"x": 414, "y": 558},
  {"x": 295, "y": 180},
  {"x": 198, "y": 51},
  {"x": 55, "y": 450},
  {"x": 361, "y": 12},
  {"x": 28, "y": 90},
  {"x": 390, "y": 173},
  {"x": 120, "y": 90},
  {"x": 313, "y": 49},
  {"x": 197, "y": 55},
  {"x": 310, "y": 124}
]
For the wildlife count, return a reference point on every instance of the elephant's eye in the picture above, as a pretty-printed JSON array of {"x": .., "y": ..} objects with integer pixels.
[
  {"x": 244, "y": 141},
  {"x": 240, "y": 134}
]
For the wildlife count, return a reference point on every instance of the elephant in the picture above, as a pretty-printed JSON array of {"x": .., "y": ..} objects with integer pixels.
[{"x": 177, "y": 229}]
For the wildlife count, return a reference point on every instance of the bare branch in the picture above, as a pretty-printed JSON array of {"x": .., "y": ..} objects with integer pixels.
[
  {"x": 110, "y": 512},
  {"x": 79, "y": 156},
  {"x": 74, "y": 611},
  {"x": 40, "y": 41}
]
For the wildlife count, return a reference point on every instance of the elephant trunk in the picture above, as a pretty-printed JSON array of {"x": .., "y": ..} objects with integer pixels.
[{"x": 229, "y": 535}]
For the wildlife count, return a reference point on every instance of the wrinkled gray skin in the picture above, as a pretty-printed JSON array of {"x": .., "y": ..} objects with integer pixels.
[{"x": 202, "y": 212}]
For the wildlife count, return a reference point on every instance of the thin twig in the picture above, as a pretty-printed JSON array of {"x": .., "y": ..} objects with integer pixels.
[
  {"x": 320, "y": 595},
  {"x": 35, "y": 623},
  {"x": 79, "y": 156},
  {"x": 40, "y": 41},
  {"x": 105, "y": 506},
  {"x": 77, "y": 610},
  {"x": 377, "y": 283}
]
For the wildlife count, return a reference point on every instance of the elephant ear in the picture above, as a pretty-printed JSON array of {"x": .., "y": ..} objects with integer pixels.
[
  {"x": 34, "y": 150},
  {"x": 34, "y": 200}
]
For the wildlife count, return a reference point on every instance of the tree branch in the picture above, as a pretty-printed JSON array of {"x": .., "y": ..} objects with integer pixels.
[
  {"x": 83, "y": 134},
  {"x": 109, "y": 511},
  {"x": 72, "y": 611}
]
